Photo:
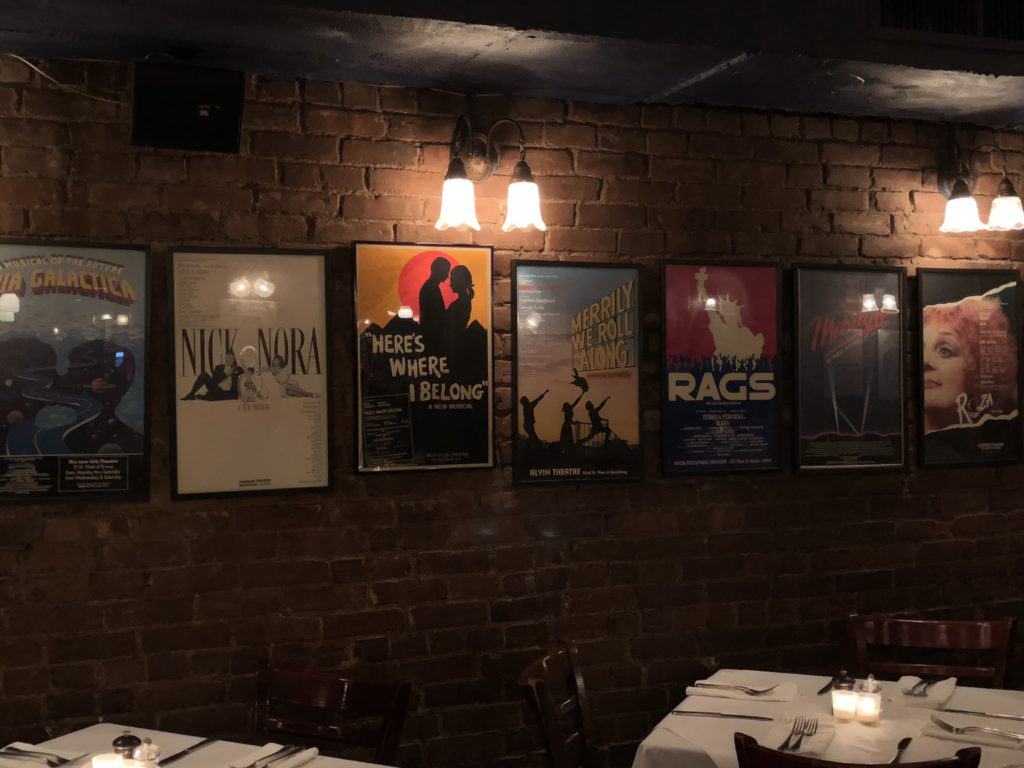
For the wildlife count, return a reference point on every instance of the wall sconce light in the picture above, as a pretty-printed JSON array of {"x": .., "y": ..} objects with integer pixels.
[
  {"x": 962, "y": 209},
  {"x": 890, "y": 305},
  {"x": 474, "y": 156},
  {"x": 868, "y": 303}
]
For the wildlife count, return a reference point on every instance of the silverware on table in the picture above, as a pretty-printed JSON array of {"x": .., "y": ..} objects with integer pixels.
[
  {"x": 49, "y": 756},
  {"x": 967, "y": 729},
  {"x": 810, "y": 729},
  {"x": 901, "y": 748},
  {"x": 802, "y": 726},
  {"x": 32, "y": 758},
  {"x": 985, "y": 714},
  {"x": 286, "y": 751},
  {"x": 797, "y": 726},
  {"x": 827, "y": 687},
  {"x": 695, "y": 713},
  {"x": 741, "y": 688},
  {"x": 188, "y": 751}
]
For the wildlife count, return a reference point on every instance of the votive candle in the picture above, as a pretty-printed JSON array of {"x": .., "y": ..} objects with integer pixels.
[
  {"x": 844, "y": 705},
  {"x": 869, "y": 708},
  {"x": 108, "y": 760}
]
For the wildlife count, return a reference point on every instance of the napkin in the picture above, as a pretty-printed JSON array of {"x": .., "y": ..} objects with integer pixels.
[
  {"x": 784, "y": 691},
  {"x": 300, "y": 758},
  {"x": 975, "y": 737},
  {"x": 17, "y": 762},
  {"x": 938, "y": 694},
  {"x": 813, "y": 746}
]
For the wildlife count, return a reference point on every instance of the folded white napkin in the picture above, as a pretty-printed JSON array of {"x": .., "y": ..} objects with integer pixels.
[
  {"x": 938, "y": 694},
  {"x": 300, "y": 758},
  {"x": 975, "y": 737},
  {"x": 783, "y": 692},
  {"x": 17, "y": 762},
  {"x": 815, "y": 745}
]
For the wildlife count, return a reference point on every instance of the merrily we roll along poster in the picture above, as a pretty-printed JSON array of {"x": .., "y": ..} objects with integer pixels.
[
  {"x": 721, "y": 406},
  {"x": 424, "y": 382},
  {"x": 576, "y": 379},
  {"x": 250, "y": 383}
]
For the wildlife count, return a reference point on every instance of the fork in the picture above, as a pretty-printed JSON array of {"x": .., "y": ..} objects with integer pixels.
[
  {"x": 797, "y": 730},
  {"x": 919, "y": 689},
  {"x": 810, "y": 730},
  {"x": 740, "y": 688},
  {"x": 38, "y": 752},
  {"x": 965, "y": 729}
]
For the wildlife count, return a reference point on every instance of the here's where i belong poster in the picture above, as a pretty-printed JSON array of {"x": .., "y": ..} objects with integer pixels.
[
  {"x": 576, "y": 377},
  {"x": 849, "y": 348},
  {"x": 73, "y": 354},
  {"x": 423, "y": 321},
  {"x": 970, "y": 374},
  {"x": 721, "y": 362},
  {"x": 250, "y": 379}
]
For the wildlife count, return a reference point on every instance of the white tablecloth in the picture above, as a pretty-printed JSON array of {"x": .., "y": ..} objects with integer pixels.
[
  {"x": 705, "y": 742},
  {"x": 97, "y": 738}
]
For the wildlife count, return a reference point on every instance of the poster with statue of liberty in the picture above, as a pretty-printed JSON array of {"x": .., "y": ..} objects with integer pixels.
[
  {"x": 576, "y": 379},
  {"x": 423, "y": 325},
  {"x": 73, "y": 355},
  {"x": 720, "y": 411}
]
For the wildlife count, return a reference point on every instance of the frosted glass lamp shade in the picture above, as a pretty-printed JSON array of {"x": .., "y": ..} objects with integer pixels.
[
  {"x": 523, "y": 201},
  {"x": 1007, "y": 213},
  {"x": 961, "y": 211},
  {"x": 458, "y": 200}
]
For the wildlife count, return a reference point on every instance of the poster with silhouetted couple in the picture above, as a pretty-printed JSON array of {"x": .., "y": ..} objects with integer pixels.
[
  {"x": 970, "y": 366},
  {"x": 423, "y": 321},
  {"x": 576, "y": 378}
]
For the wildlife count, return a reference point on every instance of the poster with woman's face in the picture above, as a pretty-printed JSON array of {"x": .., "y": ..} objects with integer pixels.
[
  {"x": 970, "y": 375},
  {"x": 849, "y": 346},
  {"x": 423, "y": 322}
]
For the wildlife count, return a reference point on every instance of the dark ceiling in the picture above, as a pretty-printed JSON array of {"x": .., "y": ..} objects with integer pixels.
[{"x": 791, "y": 54}]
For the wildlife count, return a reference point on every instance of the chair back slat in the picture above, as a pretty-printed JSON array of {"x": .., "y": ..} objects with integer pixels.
[
  {"x": 750, "y": 754},
  {"x": 332, "y": 712},
  {"x": 555, "y": 682},
  {"x": 988, "y": 642}
]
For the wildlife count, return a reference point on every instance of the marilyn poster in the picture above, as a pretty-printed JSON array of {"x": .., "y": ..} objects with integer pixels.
[
  {"x": 73, "y": 357},
  {"x": 576, "y": 378},
  {"x": 250, "y": 384},
  {"x": 423, "y": 320},
  {"x": 970, "y": 375},
  {"x": 721, "y": 364},
  {"x": 849, "y": 349}
]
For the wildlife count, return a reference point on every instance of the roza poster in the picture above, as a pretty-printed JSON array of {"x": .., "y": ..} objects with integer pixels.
[
  {"x": 576, "y": 378},
  {"x": 250, "y": 345},
  {"x": 720, "y": 409},
  {"x": 970, "y": 366},
  {"x": 849, "y": 346},
  {"x": 423, "y": 320},
  {"x": 73, "y": 353}
]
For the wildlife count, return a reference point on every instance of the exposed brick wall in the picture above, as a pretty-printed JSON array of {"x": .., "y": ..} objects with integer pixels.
[{"x": 156, "y": 613}]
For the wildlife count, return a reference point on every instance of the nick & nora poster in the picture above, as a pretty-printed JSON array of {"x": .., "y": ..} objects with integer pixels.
[
  {"x": 576, "y": 381},
  {"x": 849, "y": 347},
  {"x": 970, "y": 366},
  {"x": 250, "y": 375},
  {"x": 73, "y": 355},
  {"x": 720, "y": 409},
  {"x": 423, "y": 322}
]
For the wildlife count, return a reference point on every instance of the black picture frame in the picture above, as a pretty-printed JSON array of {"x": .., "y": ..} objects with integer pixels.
[
  {"x": 516, "y": 264},
  {"x": 901, "y": 277},
  {"x": 780, "y": 442},
  {"x": 145, "y": 490},
  {"x": 358, "y": 465},
  {"x": 924, "y": 276},
  {"x": 323, "y": 254}
]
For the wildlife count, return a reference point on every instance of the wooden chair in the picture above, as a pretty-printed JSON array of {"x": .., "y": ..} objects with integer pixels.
[
  {"x": 556, "y": 684},
  {"x": 750, "y": 754},
  {"x": 333, "y": 713},
  {"x": 985, "y": 641}
]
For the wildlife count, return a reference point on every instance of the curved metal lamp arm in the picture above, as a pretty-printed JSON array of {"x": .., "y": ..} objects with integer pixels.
[
  {"x": 458, "y": 137},
  {"x": 994, "y": 148},
  {"x": 519, "y": 130}
]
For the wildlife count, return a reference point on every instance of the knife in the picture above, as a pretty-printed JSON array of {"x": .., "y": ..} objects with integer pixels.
[
  {"x": 721, "y": 714},
  {"x": 827, "y": 687},
  {"x": 984, "y": 714},
  {"x": 178, "y": 755}
]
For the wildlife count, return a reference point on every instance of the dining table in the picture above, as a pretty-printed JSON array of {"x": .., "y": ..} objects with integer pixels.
[
  {"x": 698, "y": 741},
  {"x": 96, "y": 739}
]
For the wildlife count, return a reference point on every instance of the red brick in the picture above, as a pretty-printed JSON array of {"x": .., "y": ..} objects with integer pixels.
[
  {"x": 605, "y": 164},
  {"x": 21, "y": 132},
  {"x": 193, "y": 198},
  {"x": 863, "y": 223},
  {"x": 646, "y": 192},
  {"x": 231, "y": 170},
  {"x": 32, "y": 161},
  {"x": 581, "y": 240},
  {"x": 380, "y": 153},
  {"x": 835, "y": 200},
  {"x": 603, "y": 215},
  {"x": 710, "y": 145},
  {"x": 400, "y": 208},
  {"x": 850, "y": 154},
  {"x": 294, "y": 201},
  {"x": 604, "y": 114}
]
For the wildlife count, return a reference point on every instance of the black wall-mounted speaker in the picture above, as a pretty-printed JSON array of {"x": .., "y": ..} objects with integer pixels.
[{"x": 185, "y": 107}]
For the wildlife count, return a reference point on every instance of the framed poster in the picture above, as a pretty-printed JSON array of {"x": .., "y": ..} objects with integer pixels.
[
  {"x": 849, "y": 367},
  {"x": 74, "y": 352},
  {"x": 250, "y": 390},
  {"x": 969, "y": 351},
  {"x": 423, "y": 364},
  {"x": 575, "y": 382},
  {"x": 720, "y": 410}
]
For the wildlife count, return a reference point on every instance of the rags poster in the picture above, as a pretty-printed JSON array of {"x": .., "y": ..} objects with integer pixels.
[
  {"x": 73, "y": 355},
  {"x": 250, "y": 375},
  {"x": 423, "y": 323},
  {"x": 970, "y": 366},
  {"x": 576, "y": 380},
  {"x": 720, "y": 410},
  {"x": 849, "y": 347}
]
